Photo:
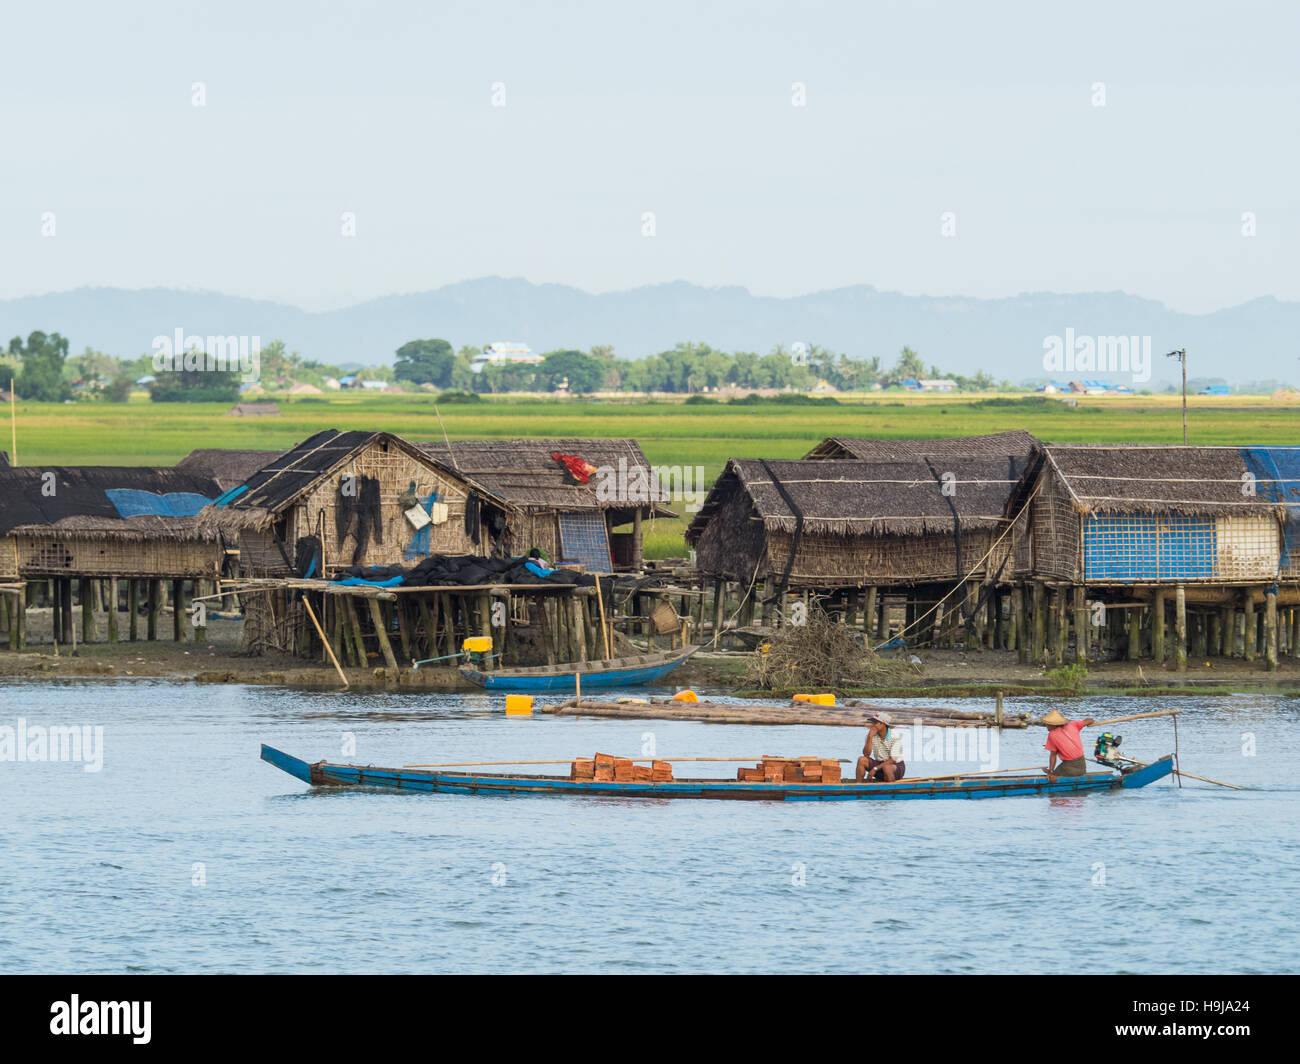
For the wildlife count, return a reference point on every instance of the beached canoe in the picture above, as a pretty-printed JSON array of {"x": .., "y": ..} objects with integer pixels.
[
  {"x": 617, "y": 672},
  {"x": 976, "y": 785}
]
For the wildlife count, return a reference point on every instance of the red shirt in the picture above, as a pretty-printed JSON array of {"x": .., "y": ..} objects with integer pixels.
[{"x": 1065, "y": 740}]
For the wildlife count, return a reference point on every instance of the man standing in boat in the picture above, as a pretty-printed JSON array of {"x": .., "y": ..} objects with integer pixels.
[
  {"x": 1063, "y": 741},
  {"x": 882, "y": 754}
]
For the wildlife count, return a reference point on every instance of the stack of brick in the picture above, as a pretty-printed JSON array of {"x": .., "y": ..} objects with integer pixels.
[
  {"x": 792, "y": 770},
  {"x": 605, "y": 768}
]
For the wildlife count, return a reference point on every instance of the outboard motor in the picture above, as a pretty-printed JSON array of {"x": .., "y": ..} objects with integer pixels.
[{"x": 1106, "y": 752}]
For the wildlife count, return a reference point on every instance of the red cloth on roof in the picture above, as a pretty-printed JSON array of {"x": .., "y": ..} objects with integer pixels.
[{"x": 580, "y": 468}]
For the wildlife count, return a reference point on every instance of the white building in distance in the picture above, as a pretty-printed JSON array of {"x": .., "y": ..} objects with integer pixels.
[{"x": 503, "y": 352}]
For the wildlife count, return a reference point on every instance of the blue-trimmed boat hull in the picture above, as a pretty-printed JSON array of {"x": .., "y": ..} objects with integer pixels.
[
  {"x": 324, "y": 774},
  {"x": 594, "y": 676}
]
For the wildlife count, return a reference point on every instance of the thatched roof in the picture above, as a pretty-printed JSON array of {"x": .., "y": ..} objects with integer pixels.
[
  {"x": 854, "y": 498},
  {"x": 280, "y": 482},
  {"x": 1016, "y": 443},
  {"x": 80, "y": 504},
  {"x": 229, "y": 468},
  {"x": 523, "y": 472},
  {"x": 1134, "y": 478}
]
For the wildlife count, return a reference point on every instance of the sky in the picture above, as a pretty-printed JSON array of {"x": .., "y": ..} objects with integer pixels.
[{"x": 979, "y": 149}]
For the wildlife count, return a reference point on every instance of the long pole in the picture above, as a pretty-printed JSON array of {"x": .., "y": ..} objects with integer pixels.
[
  {"x": 476, "y": 764},
  {"x": 1135, "y": 716},
  {"x": 13, "y": 422},
  {"x": 604, "y": 630},
  {"x": 325, "y": 641},
  {"x": 1203, "y": 779},
  {"x": 1183, "y": 360}
]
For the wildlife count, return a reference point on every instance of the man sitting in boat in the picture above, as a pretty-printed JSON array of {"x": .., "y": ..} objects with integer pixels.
[
  {"x": 882, "y": 755},
  {"x": 1064, "y": 742}
]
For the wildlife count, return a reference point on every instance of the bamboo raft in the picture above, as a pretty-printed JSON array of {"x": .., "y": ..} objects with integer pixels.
[{"x": 851, "y": 715}]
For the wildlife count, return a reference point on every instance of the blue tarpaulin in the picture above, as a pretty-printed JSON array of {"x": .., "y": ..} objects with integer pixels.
[
  {"x": 419, "y": 545},
  {"x": 1277, "y": 478},
  {"x": 132, "y": 502}
]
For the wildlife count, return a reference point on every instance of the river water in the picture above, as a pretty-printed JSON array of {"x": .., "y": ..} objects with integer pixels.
[{"x": 186, "y": 853}]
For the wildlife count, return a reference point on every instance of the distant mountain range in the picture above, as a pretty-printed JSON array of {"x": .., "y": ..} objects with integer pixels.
[{"x": 1259, "y": 340}]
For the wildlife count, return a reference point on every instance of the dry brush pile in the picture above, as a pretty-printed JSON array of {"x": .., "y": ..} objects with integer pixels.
[{"x": 822, "y": 654}]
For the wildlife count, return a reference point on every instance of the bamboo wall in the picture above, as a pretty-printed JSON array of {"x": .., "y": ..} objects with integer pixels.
[
  {"x": 394, "y": 469},
  {"x": 1055, "y": 533},
  {"x": 72, "y": 555}
]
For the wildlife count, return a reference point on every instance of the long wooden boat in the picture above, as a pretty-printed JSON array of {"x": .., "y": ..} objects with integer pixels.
[
  {"x": 976, "y": 785},
  {"x": 616, "y": 672}
]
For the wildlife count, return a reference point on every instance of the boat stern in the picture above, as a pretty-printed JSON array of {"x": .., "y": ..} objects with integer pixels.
[{"x": 1157, "y": 770}]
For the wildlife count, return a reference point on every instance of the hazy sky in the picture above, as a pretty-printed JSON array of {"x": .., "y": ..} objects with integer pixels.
[{"x": 686, "y": 110}]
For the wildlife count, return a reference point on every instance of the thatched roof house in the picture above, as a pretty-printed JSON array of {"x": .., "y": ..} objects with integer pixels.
[
  {"x": 229, "y": 468},
  {"x": 1150, "y": 514},
  {"x": 103, "y": 521},
  {"x": 346, "y": 496},
  {"x": 568, "y": 519},
  {"x": 846, "y": 523},
  {"x": 1016, "y": 443}
]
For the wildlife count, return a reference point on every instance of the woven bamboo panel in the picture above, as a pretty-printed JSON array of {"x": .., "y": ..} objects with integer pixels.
[
  {"x": 70, "y": 555},
  {"x": 1055, "y": 533},
  {"x": 1248, "y": 548},
  {"x": 8, "y": 558}
]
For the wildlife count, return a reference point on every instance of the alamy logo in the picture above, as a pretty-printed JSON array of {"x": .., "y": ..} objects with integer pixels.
[
  {"x": 58, "y": 742},
  {"x": 212, "y": 354},
  {"x": 639, "y": 485},
  {"x": 102, "y": 1017},
  {"x": 1098, "y": 354}
]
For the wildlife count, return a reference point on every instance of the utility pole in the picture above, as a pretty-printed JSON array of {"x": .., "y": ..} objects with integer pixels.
[{"x": 1181, "y": 355}]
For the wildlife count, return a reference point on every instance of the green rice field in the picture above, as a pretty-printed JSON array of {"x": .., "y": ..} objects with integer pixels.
[{"x": 671, "y": 433}]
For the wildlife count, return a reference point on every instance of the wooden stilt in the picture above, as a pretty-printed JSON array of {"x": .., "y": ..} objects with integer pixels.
[
  {"x": 1062, "y": 625},
  {"x": 1270, "y": 629},
  {"x": 69, "y": 636},
  {"x": 1018, "y": 624},
  {"x": 1180, "y": 625},
  {"x": 111, "y": 610},
  {"x": 155, "y": 604},
  {"x": 485, "y": 627},
  {"x": 1134, "y": 633},
  {"x": 1158, "y": 625},
  {"x": 385, "y": 647},
  {"x": 133, "y": 609},
  {"x": 404, "y": 627},
  {"x": 1040, "y": 623},
  {"x": 87, "y": 589},
  {"x": 544, "y": 621},
  {"x": 1080, "y": 624},
  {"x": 579, "y": 629},
  {"x": 1250, "y": 627},
  {"x": 178, "y": 611}
]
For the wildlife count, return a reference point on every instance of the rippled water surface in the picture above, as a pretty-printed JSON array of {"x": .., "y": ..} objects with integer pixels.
[{"x": 98, "y": 870}]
